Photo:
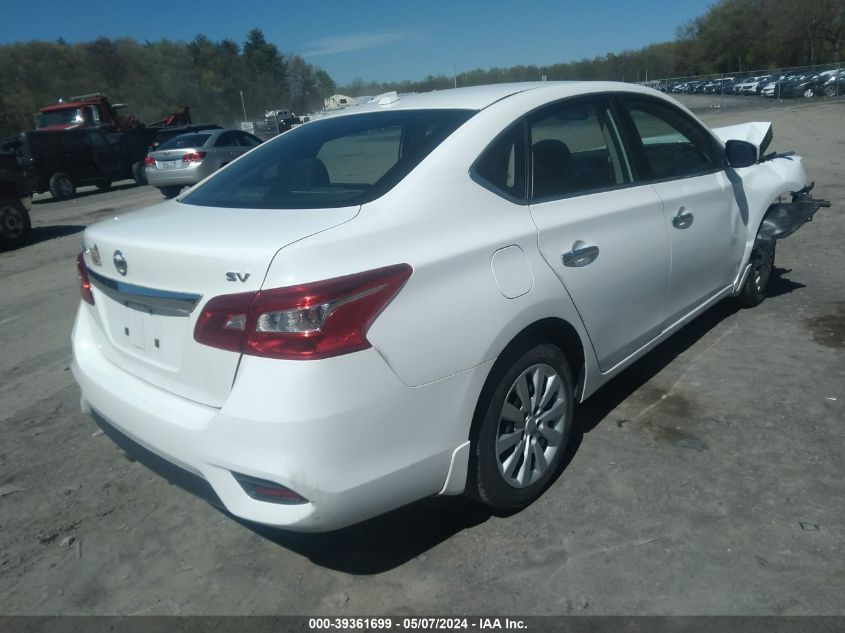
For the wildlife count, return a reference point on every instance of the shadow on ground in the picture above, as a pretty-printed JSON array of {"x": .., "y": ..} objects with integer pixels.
[
  {"x": 387, "y": 541},
  {"x": 85, "y": 194},
  {"x": 778, "y": 285},
  {"x": 45, "y": 233}
]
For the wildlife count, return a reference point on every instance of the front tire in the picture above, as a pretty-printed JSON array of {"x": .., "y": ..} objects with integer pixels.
[
  {"x": 14, "y": 222},
  {"x": 756, "y": 285},
  {"x": 524, "y": 422}
]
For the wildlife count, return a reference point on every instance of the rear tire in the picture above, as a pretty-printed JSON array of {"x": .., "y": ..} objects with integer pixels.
[
  {"x": 14, "y": 222},
  {"x": 523, "y": 422},
  {"x": 139, "y": 175},
  {"x": 170, "y": 192},
  {"x": 756, "y": 285},
  {"x": 830, "y": 91},
  {"x": 61, "y": 186}
]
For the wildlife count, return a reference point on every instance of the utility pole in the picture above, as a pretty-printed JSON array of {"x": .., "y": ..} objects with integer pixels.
[
  {"x": 455, "y": 74},
  {"x": 242, "y": 103}
]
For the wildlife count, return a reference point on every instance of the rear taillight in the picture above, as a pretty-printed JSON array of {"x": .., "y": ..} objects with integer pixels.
[
  {"x": 149, "y": 162},
  {"x": 307, "y": 322},
  {"x": 193, "y": 157},
  {"x": 84, "y": 282}
]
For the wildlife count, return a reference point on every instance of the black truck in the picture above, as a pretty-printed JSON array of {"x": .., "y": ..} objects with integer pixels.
[
  {"x": 62, "y": 160},
  {"x": 59, "y": 161}
]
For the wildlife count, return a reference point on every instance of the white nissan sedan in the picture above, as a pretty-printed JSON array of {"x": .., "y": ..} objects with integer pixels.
[{"x": 408, "y": 298}]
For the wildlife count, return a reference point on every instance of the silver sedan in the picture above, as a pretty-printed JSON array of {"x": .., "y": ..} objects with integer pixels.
[{"x": 186, "y": 159}]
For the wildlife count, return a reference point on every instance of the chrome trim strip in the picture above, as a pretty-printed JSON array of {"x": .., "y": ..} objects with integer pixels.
[
  {"x": 738, "y": 286},
  {"x": 177, "y": 303}
]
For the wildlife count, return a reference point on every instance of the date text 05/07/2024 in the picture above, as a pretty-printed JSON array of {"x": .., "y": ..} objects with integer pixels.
[{"x": 415, "y": 623}]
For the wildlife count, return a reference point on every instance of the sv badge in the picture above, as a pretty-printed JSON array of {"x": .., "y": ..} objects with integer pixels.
[{"x": 237, "y": 276}]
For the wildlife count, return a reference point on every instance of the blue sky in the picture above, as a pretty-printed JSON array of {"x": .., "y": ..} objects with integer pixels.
[{"x": 377, "y": 39}]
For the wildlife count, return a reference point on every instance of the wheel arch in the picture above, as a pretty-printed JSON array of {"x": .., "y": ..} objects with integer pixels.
[
  {"x": 554, "y": 330},
  {"x": 762, "y": 186},
  {"x": 550, "y": 330}
]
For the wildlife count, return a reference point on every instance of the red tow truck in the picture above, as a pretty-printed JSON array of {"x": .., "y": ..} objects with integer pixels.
[{"x": 95, "y": 110}]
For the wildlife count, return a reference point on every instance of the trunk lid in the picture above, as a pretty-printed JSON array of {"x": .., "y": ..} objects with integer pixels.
[{"x": 152, "y": 271}]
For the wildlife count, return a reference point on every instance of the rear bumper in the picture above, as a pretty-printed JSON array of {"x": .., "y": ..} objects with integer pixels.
[
  {"x": 180, "y": 176},
  {"x": 344, "y": 433}
]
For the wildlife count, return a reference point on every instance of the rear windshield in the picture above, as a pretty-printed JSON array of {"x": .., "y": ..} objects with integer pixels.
[
  {"x": 185, "y": 140},
  {"x": 335, "y": 162}
]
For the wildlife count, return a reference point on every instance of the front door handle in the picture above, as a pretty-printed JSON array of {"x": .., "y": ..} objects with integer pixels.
[
  {"x": 682, "y": 219},
  {"x": 581, "y": 254}
]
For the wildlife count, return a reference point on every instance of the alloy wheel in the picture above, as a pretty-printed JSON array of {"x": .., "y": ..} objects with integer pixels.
[{"x": 531, "y": 426}]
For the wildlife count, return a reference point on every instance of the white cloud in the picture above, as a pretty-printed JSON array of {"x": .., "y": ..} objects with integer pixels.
[{"x": 355, "y": 42}]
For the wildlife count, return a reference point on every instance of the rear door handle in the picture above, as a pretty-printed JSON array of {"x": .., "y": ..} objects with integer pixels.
[
  {"x": 682, "y": 219},
  {"x": 581, "y": 255}
]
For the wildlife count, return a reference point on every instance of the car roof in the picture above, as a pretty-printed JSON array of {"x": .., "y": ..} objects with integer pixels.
[
  {"x": 212, "y": 133},
  {"x": 480, "y": 97},
  {"x": 187, "y": 128}
]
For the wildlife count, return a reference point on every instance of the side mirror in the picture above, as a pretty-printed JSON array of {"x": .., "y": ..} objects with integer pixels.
[{"x": 741, "y": 153}]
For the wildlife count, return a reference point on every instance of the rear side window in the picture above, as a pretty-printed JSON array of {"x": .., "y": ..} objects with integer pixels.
[
  {"x": 575, "y": 148},
  {"x": 185, "y": 140},
  {"x": 335, "y": 162},
  {"x": 248, "y": 140},
  {"x": 501, "y": 167},
  {"x": 673, "y": 145},
  {"x": 227, "y": 139}
]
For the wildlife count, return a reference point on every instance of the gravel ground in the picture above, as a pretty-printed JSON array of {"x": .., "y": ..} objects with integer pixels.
[{"x": 707, "y": 479}]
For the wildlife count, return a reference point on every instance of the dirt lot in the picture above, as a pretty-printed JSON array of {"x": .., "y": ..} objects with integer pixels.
[{"x": 706, "y": 479}]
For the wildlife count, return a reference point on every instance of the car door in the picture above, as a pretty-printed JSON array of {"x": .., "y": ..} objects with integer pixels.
[
  {"x": 686, "y": 167},
  {"x": 602, "y": 234},
  {"x": 106, "y": 161}
]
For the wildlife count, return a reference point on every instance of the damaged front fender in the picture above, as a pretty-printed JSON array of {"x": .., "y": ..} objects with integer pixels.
[{"x": 782, "y": 219}]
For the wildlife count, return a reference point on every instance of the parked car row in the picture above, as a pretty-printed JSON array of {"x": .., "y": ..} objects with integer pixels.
[{"x": 828, "y": 83}]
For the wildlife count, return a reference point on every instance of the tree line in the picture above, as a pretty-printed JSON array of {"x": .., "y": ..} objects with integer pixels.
[
  {"x": 733, "y": 36},
  {"x": 156, "y": 78}
]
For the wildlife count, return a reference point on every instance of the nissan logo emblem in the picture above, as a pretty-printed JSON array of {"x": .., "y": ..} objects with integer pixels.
[{"x": 119, "y": 262}]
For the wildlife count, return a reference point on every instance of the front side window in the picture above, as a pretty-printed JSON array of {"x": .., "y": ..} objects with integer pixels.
[
  {"x": 334, "y": 162},
  {"x": 673, "y": 145},
  {"x": 227, "y": 139},
  {"x": 575, "y": 148}
]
